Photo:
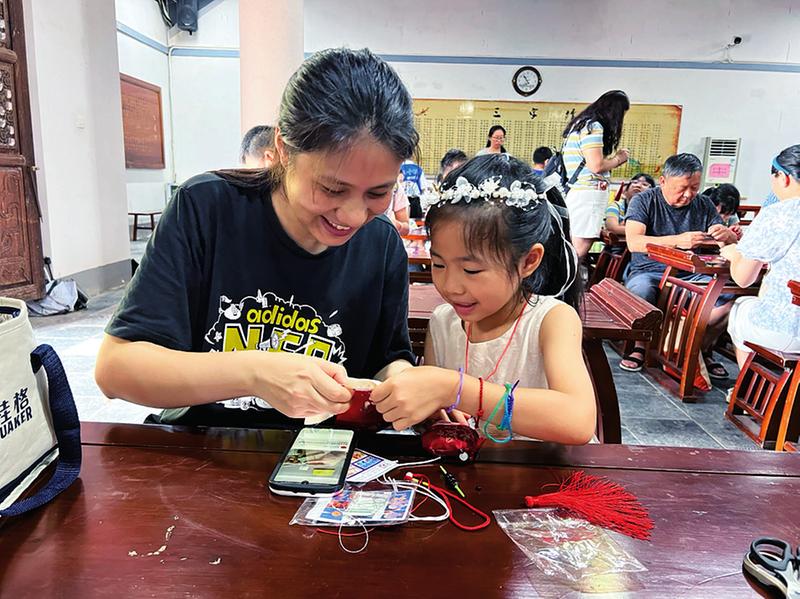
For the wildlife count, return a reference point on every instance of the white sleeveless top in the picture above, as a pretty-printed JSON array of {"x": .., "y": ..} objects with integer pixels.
[{"x": 522, "y": 361}]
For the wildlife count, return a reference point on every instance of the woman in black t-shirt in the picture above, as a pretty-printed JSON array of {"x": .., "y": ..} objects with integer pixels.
[{"x": 292, "y": 260}]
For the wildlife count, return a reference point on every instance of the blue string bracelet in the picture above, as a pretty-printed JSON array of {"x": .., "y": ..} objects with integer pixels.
[
  {"x": 505, "y": 424},
  {"x": 504, "y": 402},
  {"x": 460, "y": 387}
]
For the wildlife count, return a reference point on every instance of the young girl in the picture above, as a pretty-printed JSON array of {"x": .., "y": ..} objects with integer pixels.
[
  {"x": 292, "y": 260},
  {"x": 590, "y": 150},
  {"x": 500, "y": 254},
  {"x": 772, "y": 239}
]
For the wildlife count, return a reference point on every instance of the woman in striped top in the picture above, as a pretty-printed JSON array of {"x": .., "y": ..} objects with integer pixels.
[{"x": 590, "y": 147}]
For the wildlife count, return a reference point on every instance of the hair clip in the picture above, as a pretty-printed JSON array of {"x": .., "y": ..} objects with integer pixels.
[{"x": 515, "y": 196}]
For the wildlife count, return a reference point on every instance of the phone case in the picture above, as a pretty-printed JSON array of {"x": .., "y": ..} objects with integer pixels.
[{"x": 305, "y": 488}]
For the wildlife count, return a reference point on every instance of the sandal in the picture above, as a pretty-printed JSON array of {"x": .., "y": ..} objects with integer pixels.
[
  {"x": 636, "y": 356},
  {"x": 715, "y": 369}
]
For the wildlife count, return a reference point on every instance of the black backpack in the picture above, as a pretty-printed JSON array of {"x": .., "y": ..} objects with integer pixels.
[{"x": 556, "y": 165}]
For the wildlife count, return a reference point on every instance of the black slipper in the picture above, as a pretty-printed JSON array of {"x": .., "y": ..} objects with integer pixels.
[
  {"x": 716, "y": 370},
  {"x": 636, "y": 356}
]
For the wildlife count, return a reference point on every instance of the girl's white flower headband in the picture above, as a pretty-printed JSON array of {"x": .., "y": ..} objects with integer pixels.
[{"x": 490, "y": 189}]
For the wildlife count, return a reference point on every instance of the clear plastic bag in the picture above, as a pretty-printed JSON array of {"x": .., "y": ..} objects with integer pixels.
[{"x": 567, "y": 548}]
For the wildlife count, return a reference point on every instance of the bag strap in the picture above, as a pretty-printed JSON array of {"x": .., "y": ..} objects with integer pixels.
[
  {"x": 577, "y": 171},
  {"x": 67, "y": 428}
]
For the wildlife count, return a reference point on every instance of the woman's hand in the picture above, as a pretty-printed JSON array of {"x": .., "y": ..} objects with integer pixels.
[
  {"x": 729, "y": 252},
  {"x": 413, "y": 395},
  {"x": 300, "y": 386},
  {"x": 622, "y": 156}
]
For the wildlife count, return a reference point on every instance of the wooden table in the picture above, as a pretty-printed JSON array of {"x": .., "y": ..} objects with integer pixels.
[
  {"x": 231, "y": 538},
  {"x": 598, "y": 324},
  {"x": 680, "y": 355}
]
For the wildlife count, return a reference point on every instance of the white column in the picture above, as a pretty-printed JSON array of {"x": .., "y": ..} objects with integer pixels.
[{"x": 270, "y": 50}]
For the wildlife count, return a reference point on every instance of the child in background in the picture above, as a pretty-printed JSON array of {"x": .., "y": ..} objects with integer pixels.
[
  {"x": 452, "y": 159},
  {"x": 725, "y": 198},
  {"x": 540, "y": 157},
  {"x": 772, "y": 239},
  {"x": 397, "y": 212},
  {"x": 615, "y": 212},
  {"x": 501, "y": 257}
]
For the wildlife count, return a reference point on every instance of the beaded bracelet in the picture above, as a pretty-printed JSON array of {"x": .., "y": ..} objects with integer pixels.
[{"x": 458, "y": 395}]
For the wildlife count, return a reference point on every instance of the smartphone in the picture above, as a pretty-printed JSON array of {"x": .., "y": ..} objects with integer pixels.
[{"x": 316, "y": 463}]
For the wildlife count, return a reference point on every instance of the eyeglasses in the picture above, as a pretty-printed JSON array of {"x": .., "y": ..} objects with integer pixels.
[{"x": 497, "y": 138}]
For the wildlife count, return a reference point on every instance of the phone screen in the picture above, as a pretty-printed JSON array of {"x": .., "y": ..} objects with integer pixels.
[{"x": 318, "y": 455}]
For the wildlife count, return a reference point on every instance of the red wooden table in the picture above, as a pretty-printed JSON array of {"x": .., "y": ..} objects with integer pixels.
[{"x": 232, "y": 538}]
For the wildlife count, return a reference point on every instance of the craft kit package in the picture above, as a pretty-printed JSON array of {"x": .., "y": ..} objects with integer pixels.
[
  {"x": 357, "y": 507},
  {"x": 38, "y": 419}
]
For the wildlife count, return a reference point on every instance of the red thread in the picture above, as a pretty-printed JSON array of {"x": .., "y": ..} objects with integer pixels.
[
  {"x": 446, "y": 496},
  {"x": 601, "y": 502},
  {"x": 479, "y": 413},
  {"x": 505, "y": 349}
]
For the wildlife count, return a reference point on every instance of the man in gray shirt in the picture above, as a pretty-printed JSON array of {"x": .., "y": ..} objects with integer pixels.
[{"x": 675, "y": 216}]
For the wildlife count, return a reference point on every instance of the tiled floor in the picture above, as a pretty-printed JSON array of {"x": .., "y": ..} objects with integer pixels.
[{"x": 650, "y": 415}]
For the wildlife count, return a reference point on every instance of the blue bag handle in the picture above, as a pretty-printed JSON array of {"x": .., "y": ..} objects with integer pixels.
[{"x": 67, "y": 428}]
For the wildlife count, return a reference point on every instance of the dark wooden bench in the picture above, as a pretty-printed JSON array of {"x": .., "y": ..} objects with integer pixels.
[
  {"x": 146, "y": 214},
  {"x": 611, "y": 312}
]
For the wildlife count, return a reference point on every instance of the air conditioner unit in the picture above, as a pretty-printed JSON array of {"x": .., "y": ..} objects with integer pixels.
[{"x": 720, "y": 160}]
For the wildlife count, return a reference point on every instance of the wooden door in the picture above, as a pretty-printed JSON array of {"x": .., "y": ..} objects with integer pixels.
[{"x": 21, "y": 264}]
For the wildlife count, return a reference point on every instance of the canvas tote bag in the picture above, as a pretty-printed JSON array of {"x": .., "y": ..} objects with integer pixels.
[{"x": 38, "y": 419}]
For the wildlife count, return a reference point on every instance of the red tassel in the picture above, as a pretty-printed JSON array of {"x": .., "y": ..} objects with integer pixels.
[{"x": 601, "y": 502}]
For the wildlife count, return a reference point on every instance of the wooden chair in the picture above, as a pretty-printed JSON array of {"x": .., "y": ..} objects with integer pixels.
[
  {"x": 679, "y": 340},
  {"x": 744, "y": 213},
  {"x": 151, "y": 214},
  {"x": 761, "y": 395},
  {"x": 612, "y": 260}
]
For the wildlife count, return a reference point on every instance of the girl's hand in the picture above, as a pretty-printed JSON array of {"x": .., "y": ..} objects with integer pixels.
[
  {"x": 300, "y": 386},
  {"x": 622, "y": 155},
  {"x": 456, "y": 416},
  {"x": 413, "y": 395}
]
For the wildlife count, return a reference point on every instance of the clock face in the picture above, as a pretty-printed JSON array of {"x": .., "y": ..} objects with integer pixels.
[{"x": 526, "y": 81}]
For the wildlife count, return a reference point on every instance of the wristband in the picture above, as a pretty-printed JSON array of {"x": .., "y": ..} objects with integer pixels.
[
  {"x": 503, "y": 401},
  {"x": 458, "y": 394}
]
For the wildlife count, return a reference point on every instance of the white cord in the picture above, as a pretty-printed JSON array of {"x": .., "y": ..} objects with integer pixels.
[
  {"x": 422, "y": 463},
  {"x": 351, "y": 522},
  {"x": 422, "y": 490}
]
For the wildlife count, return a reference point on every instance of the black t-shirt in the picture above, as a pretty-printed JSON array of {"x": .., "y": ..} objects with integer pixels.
[
  {"x": 651, "y": 209},
  {"x": 221, "y": 274}
]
